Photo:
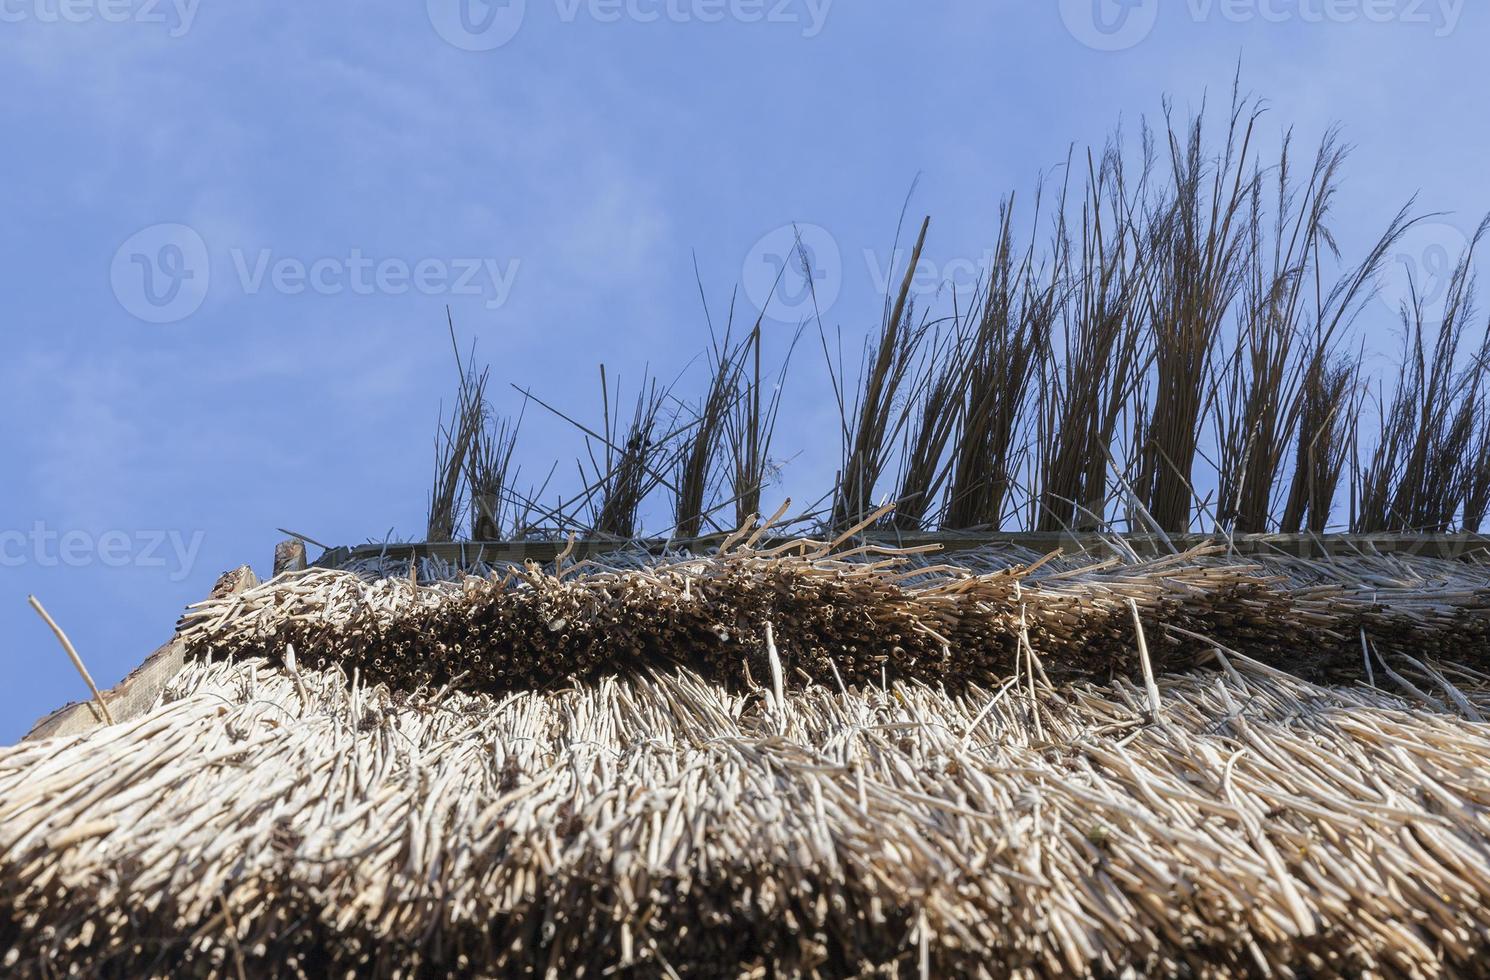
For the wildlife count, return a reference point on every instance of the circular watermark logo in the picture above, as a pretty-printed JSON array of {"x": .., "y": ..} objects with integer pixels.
[
  {"x": 1422, "y": 264},
  {"x": 1110, "y": 25},
  {"x": 794, "y": 272},
  {"x": 477, "y": 25},
  {"x": 161, "y": 273}
]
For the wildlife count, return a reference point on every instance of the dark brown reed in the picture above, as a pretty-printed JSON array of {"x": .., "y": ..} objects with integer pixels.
[
  {"x": 1019, "y": 307},
  {"x": 1199, "y": 270},
  {"x": 1285, "y": 343},
  {"x": 453, "y": 443},
  {"x": 1471, "y": 437},
  {"x": 1477, "y": 475},
  {"x": 937, "y": 399},
  {"x": 1416, "y": 476},
  {"x": 1265, "y": 385},
  {"x": 1325, "y": 432},
  {"x": 631, "y": 463},
  {"x": 702, "y": 440},
  {"x": 490, "y": 475},
  {"x": 879, "y": 415},
  {"x": 1104, "y": 350},
  {"x": 750, "y": 424},
  {"x": 1177, "y": 330}
]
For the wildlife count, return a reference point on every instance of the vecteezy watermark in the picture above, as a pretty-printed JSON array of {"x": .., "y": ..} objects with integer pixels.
[
  {"x": 485, "y": 25},
  {"x": 1117, "y": 25},
  {"x": 793, "y": 272},
  {"x": 174, "y": 16},
  {"x": 161, "y": 274},
  {"x": 1441, "y": 15},
  {"x": 1421, "y": 268},
  {"x": 46, "y": 547},
  {"x": 1110, "y": 25},
  {"x": 477, "y": 25},
  {"x": 796, "y": 272},
  {"x": 357, "y": 274},
  {"x": 931, "y": 276}
]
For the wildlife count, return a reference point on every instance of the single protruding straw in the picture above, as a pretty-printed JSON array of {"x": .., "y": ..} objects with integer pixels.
[
  {"x": 77, "y": 661},
  {"x": 1148, "y": 667}
]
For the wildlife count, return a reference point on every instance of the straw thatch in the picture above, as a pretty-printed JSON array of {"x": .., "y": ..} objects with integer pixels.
[
  {"x": 869, "y": 764},
  {"x": 851, "y": 617}
]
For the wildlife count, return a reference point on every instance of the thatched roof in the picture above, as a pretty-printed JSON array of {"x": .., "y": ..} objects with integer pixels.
[
  {"x": 783, "y": 763},
  {"x": 855, "y": 615}
]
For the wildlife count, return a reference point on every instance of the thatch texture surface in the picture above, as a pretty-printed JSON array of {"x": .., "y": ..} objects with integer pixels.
[
  {"x": 853, "y": 618},
  {"x": 273, "y": 820},
  {"x": 783, "y": 762}
]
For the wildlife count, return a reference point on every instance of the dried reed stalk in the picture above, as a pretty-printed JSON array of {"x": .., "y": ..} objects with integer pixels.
[
  {"x": 1012, "y": 336},
  {"x": 879, "y": 415},
  {"x": 1176, "y": 333},
  {"x": 1415, "y": 476},
  {"x": 490, "y": 477},
  {"x": 453, "y": 443},
  {"x": 703, "y": 439},
  {"x": 1325, "y": 430},
  {"x": 1094, "y": 382},
  {"x": 937, "y": 395},
  {"x": 751, "y": 425},
  {"x": 630, "y": 468},
  {"x": 1199, "y": 244}
]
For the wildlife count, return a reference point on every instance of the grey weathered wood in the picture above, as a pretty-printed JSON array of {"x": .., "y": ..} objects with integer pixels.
[
  {"x": 1452, "y": 546},
  {"x": 135, "y": 695},
  {"x": 128, "y": 699},
  {"x": 289, "y": 556},
  {"x": 233, "y": 582}
]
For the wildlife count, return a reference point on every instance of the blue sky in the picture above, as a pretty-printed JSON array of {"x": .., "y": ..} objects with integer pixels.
[{"x": 308, "y": 186}]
